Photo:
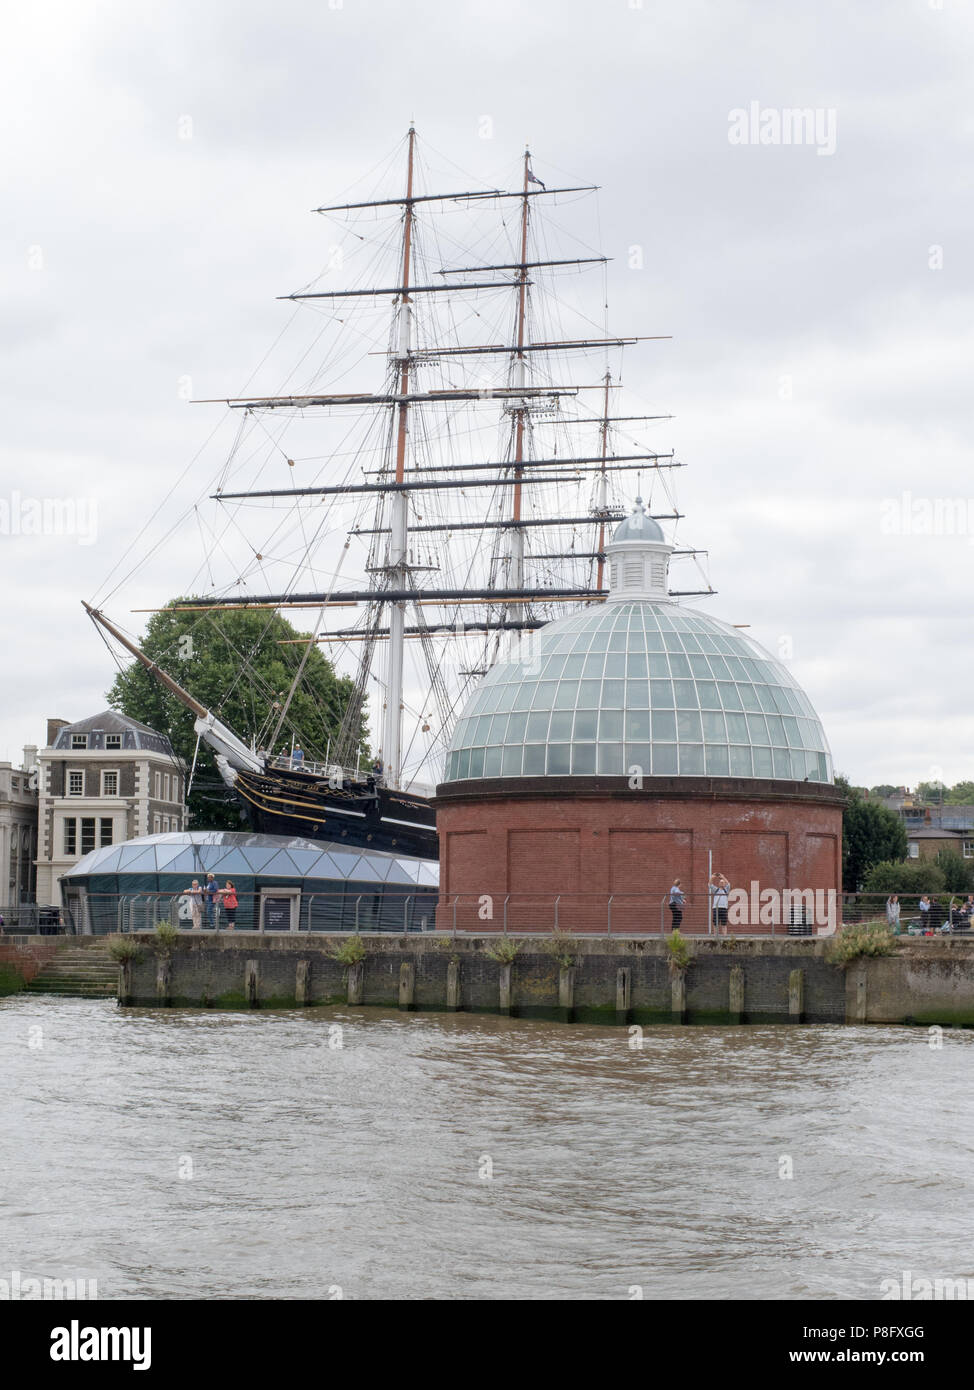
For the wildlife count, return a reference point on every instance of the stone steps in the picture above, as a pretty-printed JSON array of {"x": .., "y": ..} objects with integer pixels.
[{"x": 87, "y": 973}]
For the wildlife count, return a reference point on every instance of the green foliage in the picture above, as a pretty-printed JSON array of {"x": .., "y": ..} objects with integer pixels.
[
  {"x": 884, "y": 789},
  {"x": 961, "y": 794},
  {"x": 957, "y": 871},
  {"x": 503, "y": 950},
  {"x": 234, "y": 663},
  {"x": 165, "y": 938},
  {"x": 563, "y": 946},
  {"x": 123, "y": 949},
  {"x": 870, "y": 834},
  {"x": 679, "y": 952},
  {"x": 931, "y": 792},
  {"x": 909, "y": 877},
  {"x": 860, "y": 939},
  {"x": 350, "y": 951}
]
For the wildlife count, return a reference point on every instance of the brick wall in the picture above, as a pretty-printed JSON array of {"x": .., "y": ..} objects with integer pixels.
[{"x": 595, "y": 837}]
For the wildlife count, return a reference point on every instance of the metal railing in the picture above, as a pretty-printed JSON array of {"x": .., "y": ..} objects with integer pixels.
[
  {"x": 947, "y": 914},
  {"x": 760, "y": 912},
  {"x": 272, "y": 911},
  {"x": 32, "y": 918},
  {"x": 334, "y": 772}
]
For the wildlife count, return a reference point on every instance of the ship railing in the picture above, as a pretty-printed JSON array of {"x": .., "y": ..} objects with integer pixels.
[{"x": 333, "y": 772}]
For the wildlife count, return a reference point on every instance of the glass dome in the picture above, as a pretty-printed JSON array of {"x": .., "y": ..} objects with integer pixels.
[{"x": 640, "y": 684}]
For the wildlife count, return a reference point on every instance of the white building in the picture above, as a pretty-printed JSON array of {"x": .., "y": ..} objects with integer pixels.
[{"x": 102, "y": 780}]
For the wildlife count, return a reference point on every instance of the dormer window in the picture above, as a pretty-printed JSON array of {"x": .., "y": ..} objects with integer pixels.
[
  {"x": 79, "y": 741},
  {"x": 113, "y": 740}
]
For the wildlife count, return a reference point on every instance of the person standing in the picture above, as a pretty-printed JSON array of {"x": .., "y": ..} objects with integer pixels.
[
  {"x": 211, "y": 897},
  {"x": 230, "y": 903},
  {"x": 676, "y": 905},
  {"x": 722, "y": 899},
  {"x": 924, "y": 909},
  {"x": 195, "y": 895},
  {"x": 893, "y": 913},
  {"x": 297, "y": 757}
]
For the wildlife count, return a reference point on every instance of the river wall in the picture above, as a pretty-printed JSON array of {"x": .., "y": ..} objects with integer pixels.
[
  {"x": 625, "y": 980},
  {"x": 618, "y": 980}
]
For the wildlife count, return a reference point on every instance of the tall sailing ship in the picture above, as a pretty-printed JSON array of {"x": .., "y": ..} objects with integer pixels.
[{"x": 455, "y": 509}]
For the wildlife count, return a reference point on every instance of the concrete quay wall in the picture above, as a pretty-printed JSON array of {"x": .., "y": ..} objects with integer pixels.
[{"x": 623, "y": 980}]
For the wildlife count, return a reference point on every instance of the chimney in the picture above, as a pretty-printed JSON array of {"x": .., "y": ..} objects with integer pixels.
[
  {"x": 54, "y": 727},
  {"x": 30, "y": 756}
]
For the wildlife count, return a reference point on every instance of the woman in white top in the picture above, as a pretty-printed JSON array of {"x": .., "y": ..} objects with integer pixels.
[
  {"x": 195, "y": 895},
  {"x": 893, "y": 912}
]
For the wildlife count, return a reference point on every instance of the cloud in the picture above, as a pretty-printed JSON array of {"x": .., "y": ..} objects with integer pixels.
[{"x": 161, "y": 165}]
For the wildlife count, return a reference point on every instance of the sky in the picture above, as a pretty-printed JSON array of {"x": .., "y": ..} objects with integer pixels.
[{"x": 160, "y": 163}]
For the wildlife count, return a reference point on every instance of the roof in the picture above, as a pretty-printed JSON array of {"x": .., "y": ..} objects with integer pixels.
[
  {"x": 110, "y": 721},
  {"x": 935, "y": 834},
  {"x": 235, "y": 853},
  {"x": 639, "y": 526},
  {"x": 644, "y": 684}
]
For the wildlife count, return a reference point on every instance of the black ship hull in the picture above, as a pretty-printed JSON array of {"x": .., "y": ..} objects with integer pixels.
[{"x": 361, "y": 814}]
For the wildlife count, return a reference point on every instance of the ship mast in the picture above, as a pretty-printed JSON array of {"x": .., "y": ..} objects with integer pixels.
[
  {"x": 397, "y": 569},
  {"x": 516, "y": 573}
]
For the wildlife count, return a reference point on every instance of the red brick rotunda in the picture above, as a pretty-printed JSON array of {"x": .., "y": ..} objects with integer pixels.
[{"x": 633, "y": 744}]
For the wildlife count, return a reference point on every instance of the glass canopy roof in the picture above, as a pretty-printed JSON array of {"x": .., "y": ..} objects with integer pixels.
[
  {"x": 646, "y": 685},
  {"x": 232, "y": 853}
]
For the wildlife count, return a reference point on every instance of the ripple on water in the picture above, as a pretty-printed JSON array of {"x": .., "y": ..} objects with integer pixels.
[{"x": 476, "y": 1157}]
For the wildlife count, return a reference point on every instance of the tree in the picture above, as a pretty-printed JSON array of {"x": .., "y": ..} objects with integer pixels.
[
  {"x": 931, "y": 792},
  {"x": 870, "y": 834},
  {"x": 884, "y": 789},
  {"x": 907, "y": 877},
  {"x": 958, "y": 877},
  {"x": 234, "y": 663},
  {"x": 961, "y": 794}
]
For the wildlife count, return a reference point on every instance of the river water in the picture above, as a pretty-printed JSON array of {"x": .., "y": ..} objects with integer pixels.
[{"x": 183, "y": 1154}]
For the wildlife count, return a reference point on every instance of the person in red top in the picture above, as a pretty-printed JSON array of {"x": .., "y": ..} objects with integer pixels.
[{"x": 230, "y": 904}]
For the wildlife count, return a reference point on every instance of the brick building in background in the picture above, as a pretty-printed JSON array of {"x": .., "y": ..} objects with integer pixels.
[
  {"x": 637, "y": 741},
  {"x": 102, "y": 780}
]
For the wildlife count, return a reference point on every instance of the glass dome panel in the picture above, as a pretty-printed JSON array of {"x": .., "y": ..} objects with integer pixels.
[{"x": 658, "y": 687}]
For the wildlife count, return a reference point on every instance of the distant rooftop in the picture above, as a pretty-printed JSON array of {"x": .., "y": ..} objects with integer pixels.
[{"x": 96, "y": 727}]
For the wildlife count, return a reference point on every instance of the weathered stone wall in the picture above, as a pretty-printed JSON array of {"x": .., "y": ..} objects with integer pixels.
[
  {"x": 927, "y": 982},
  {"x": 624, "y": 980}
]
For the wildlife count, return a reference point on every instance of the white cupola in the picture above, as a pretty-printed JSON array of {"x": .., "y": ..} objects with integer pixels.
[{"x": 639, "y": 559}]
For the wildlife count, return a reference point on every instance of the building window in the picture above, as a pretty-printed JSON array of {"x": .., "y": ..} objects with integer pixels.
[
  {"x": 71, "y": 836},
  {"x": 109, "y": 784},
  {"x": 87, "y": 834},
  {"x": 79, "y": 740},
  {"x": 156, "y": 822},
  {"x": 969, "y": 849},
  {"x": 113, "y": 740},
  {"x": 913, "y": 850},
  {"x": 106, "y": 830},
  {"x": 158, "y": 786},
  {"x": 76, "y": 784}
]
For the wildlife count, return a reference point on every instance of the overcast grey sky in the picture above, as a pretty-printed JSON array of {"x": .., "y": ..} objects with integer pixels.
[{"x": 819, "y": 294}]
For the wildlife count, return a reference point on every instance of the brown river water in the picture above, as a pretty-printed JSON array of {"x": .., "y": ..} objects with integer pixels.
[{"x": 196, "y": 1154}]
